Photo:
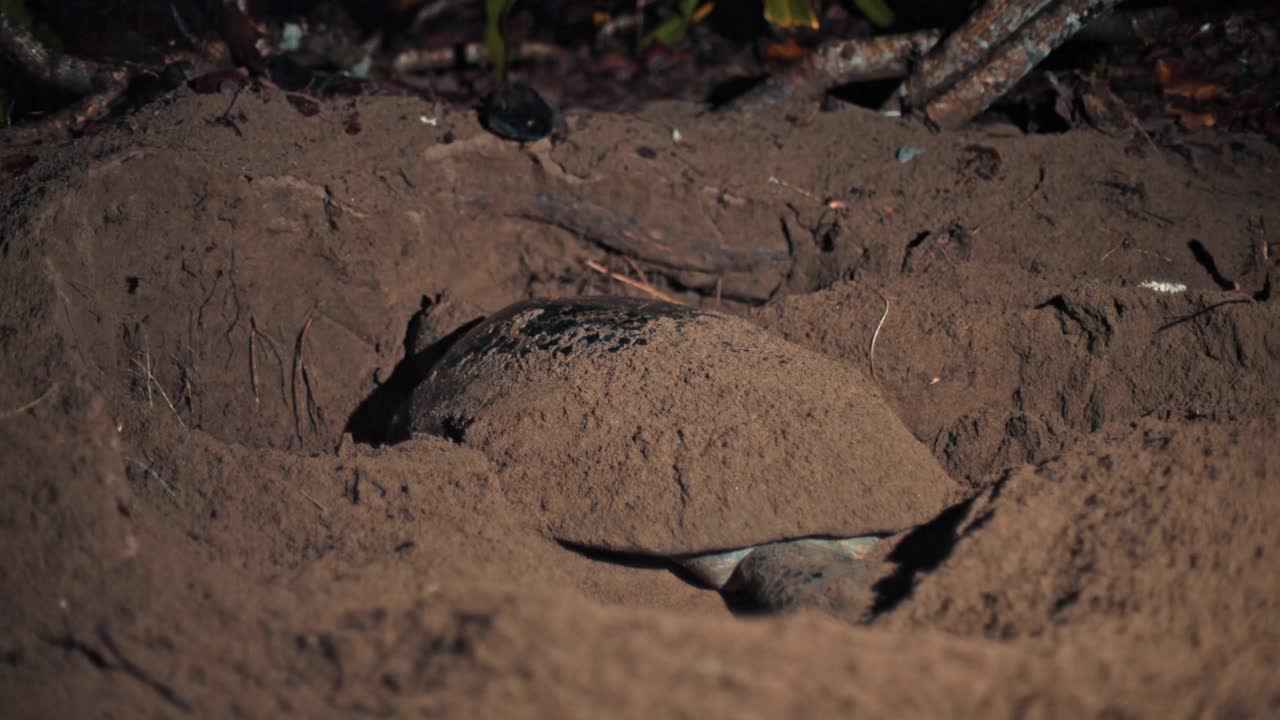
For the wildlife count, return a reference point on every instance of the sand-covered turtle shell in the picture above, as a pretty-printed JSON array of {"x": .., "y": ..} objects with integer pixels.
[{"x": 643, "y": 426}]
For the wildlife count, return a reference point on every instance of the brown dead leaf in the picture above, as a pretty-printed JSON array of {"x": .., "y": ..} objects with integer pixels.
[
  {"x": 1197, "y": 91},
  {"x": 1190, "y": 119},
  {"x": 786, "y": 51}
]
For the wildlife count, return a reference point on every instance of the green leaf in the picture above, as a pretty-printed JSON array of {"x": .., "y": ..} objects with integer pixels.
[
  {"x": 876, "y": 11},
  {"x": 495, "y": 12},
  {"x": 791, "y": 13},
  {"x": 673, "y": 29},
  {"x": 17, "y": 11}
]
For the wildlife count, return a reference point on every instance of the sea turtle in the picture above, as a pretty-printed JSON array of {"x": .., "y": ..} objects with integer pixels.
[{"x": 644, "y": 427}]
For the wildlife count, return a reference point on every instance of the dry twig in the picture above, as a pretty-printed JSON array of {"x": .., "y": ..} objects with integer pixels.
[
  {"x": 253, "y": 362},
  {"x": 167, "y": 487},
  {"x": 644, "y": 286},
  {"x": 28, "y": 405},
  {"x": 151, "y": 380},
  {"x": 313, "y": 500}
]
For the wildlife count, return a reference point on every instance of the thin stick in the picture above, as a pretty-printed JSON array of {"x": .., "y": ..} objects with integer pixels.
[
  {"x": 313, "y": 500},
  {"x": 167, "y": 487},
  {"x": 146, "y": 371},
  {"x": 642, "y": 287},
  {"x": 636, "y": 269},
  {"x": 27, "y": 406},
  {"x": 773, "y": 180},
  {"x": 871, "y": 353},
  {"x": 293, "y": 377},
  {"x": 253, "y": 362},
  {"x": 163, "y": 395}
]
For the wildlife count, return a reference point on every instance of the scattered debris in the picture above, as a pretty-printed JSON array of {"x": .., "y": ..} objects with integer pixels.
[
  {"x": 907, "y": 153},
  {"x": 952, "y": 244},
  {"x": 1163, "y": 287},
  {"x": 981, "y": 161}
]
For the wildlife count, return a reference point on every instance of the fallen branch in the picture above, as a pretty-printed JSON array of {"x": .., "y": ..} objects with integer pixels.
[
  {"x": 965, "y": 48},
  {"x": 838, "y": 63},
  {"x": 99, "y": 87},
  {"x": 1010, "y": 61},
  {"x": 67, "y": 73}
]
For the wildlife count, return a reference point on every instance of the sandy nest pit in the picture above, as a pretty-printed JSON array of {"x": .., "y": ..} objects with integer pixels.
[{"x": 203, "y": 322}]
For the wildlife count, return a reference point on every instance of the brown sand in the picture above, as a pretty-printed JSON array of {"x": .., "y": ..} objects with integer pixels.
[{"x": 193, "y": 314}]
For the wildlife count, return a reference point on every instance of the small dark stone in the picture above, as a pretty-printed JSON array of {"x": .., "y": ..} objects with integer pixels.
[
  {"x": 517, "y": 112},
  {"x": 304, "y": 105}
]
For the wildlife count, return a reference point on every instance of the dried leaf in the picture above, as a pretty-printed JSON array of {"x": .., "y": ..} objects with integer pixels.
[
  {"x": 1189, "y": 119},
  {"x": 791, "y": 13},
  {"x": 1198, "y": 91},
  {"x": 785, "y": 51}
]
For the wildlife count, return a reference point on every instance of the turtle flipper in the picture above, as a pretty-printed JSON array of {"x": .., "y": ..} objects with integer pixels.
[
  {"x": 714, "y": 568},
  {"x": 787, "y": 576},
  {"x": 827, "y": 573}
]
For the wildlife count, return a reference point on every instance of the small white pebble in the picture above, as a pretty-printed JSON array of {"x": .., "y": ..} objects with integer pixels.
[
  {"x": 676, "y": 137},
  {"x": 1163, "y": 287},
  {"x": 291, "y": 37},
  {"x": 361, "y": 69},
  {"x": 433, "y": 122}
]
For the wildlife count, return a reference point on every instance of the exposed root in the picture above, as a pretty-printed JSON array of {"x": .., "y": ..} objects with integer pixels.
[
  {"x": 28, "y": 405},
  {"x": 315, "y": 415},
  {"x": 293, "y": 376},
  {"x": 871, "y": 352},
  {"x": 145, "y": 369}
]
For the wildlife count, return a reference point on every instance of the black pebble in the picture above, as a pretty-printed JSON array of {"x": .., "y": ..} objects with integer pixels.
[{"x": 517, "y": 112}]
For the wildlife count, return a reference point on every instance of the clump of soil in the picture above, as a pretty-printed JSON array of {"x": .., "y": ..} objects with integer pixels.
[{"x": 204, "y": 307}]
